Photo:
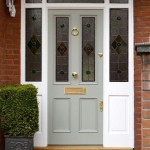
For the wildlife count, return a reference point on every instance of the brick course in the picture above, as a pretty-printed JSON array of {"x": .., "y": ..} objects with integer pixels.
[
  {"x": 142, "y": 76},
  {"x": 9, "y": 45},
  {"x": 10, "y": 63},
  {"x": 145, "y": 100},
  {"x": 9, "y": 49}
]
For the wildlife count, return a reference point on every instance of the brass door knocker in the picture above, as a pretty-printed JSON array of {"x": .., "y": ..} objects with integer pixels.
[{"x": 75, "y": 31}]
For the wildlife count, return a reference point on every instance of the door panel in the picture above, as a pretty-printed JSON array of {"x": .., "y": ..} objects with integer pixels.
[
  {"x": 75, "y": 76},
  {"x": 61, "y": 109},
  {"x": 88, "y": 115}
]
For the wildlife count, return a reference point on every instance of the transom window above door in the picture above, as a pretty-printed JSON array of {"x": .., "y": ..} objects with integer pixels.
[{"x": 77, "y": 1}]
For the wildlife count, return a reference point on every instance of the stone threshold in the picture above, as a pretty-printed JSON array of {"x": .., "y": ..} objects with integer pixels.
[{"x": 79, "y": 148}]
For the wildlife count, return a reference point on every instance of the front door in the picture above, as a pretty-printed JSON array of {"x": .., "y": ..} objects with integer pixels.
[{"x": 75, "y": 77}]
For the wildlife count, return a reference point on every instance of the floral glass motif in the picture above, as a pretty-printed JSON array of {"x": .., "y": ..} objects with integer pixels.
[
  {"x": 75, "y": 1},
  {"x": 33, "y": 44},
  {"x": 88, "y": 49},
  {"x": 62, "y": 48},
  {"x": 119, "y": 45},
  {"x": 119, "y": 1}
]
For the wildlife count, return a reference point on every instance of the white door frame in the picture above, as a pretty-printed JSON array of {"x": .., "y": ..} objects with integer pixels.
[{"x": 123, "y": 96}]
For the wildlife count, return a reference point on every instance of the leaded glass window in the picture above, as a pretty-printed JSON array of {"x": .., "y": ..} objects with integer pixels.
[
  {"x": 62, "y": 48},
  {"x": 118, "y": 1},
  {"x": 33, "y": 44},
  {"x": 75, "y": 1},
  {"x": 33, "y": 1},
  {"x": 88, "y": 49},
  {"x": 119, "y": 45}
]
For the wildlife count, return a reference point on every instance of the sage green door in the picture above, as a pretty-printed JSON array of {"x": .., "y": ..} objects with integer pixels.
[{"x": 75, "y": 88}]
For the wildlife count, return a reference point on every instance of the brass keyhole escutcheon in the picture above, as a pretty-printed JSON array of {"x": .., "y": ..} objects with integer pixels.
[{"x": 74, "y": 74}]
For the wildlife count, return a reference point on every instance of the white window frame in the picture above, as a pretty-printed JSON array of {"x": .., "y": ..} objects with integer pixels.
[{"x": 116, "y": 95}]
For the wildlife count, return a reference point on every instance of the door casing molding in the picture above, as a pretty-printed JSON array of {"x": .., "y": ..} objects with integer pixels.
[{"x": 110, "y": 138}]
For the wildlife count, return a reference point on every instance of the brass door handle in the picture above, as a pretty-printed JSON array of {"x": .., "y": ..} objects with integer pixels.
[
  {"x": 74, "y": 74},
  {"x": 101, "y": 106}
]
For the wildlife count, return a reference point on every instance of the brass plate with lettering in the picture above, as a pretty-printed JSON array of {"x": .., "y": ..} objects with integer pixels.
[{"x": 75, "y": 90}]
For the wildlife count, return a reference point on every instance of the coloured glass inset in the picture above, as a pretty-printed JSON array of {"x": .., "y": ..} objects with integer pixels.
[
  {"x": 33, "y": 1},
  {"x": 119, "y": 45},
  {"x": 62, "y": 49},
  {"x": 75, "y": 1},
  {"x": 88, "y": 49},
  {"x": 33, "y": 44},
  {"x": 119, "y": 1}
]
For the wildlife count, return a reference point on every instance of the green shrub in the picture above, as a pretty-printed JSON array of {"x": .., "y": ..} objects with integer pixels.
[{"x": 19, "y": 110}]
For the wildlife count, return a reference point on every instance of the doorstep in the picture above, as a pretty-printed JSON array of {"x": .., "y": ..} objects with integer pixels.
[{"x": 79, "y": 148}]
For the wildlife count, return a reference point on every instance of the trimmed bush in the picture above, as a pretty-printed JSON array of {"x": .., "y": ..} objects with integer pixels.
[{"x": 19, "y": 110}]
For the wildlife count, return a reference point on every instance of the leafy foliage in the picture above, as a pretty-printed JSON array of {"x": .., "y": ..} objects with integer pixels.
[{"x": 19, "y": 110}]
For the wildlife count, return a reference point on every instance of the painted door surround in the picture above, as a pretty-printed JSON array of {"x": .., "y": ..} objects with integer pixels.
[{"x": 118, "y": 114}]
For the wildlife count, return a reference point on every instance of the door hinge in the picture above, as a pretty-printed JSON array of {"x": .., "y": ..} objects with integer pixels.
[{"x": 101, "y": 106}]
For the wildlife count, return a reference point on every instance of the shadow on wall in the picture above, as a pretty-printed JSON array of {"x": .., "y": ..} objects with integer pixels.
[{"x": 1, "y": 140}]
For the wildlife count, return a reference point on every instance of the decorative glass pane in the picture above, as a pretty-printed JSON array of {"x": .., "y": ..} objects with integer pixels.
[
  {"x": 75, "y": 1},
  {"x": 33, "y": 44},
  {"x": 88, "y": 49},
  {"x": 119, "y": 1},
  {"x": 119, "y": 45},
  {"x": 62, "y": 48},
  {"x": 33, "y": 1}
]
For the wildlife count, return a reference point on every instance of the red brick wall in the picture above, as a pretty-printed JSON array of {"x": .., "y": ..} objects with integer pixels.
[
  {"x": 9, "y": 45},
  {"x": 10, "y": 63},
  {"x": 9, "y": 49},
  {"x": 146, "y": 100},
  {"x": 142, "y": 76}
]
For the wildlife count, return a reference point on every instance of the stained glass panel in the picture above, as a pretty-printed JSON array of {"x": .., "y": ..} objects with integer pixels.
[
  {"x": 75, "y": 1},
  {"x": 119, "y": 1},
  {"x": 62, "y": 48},
  {"x": 33, "y": 44},
  {"x": 88, "y": 49},
  {"x": 119, "y": 45},
  {"x": 33, "y": 1}
]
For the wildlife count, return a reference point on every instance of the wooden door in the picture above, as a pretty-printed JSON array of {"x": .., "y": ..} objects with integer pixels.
[{"x": 75, "y": 77}]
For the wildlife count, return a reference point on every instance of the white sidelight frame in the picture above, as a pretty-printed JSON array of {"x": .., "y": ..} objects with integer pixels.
[{"x": 118, "y": 97}]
